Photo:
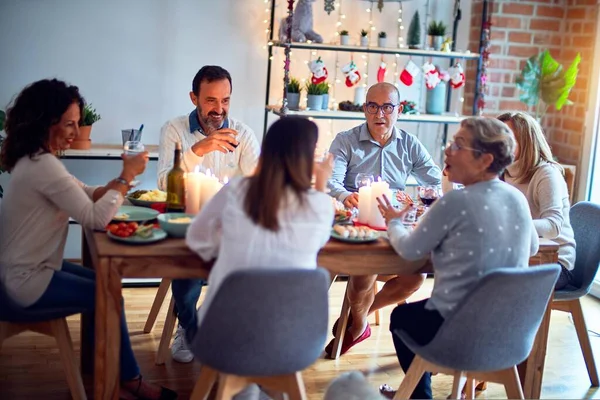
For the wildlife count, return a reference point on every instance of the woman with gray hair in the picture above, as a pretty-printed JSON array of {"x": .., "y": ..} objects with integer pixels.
[{"x": 467, "y": 233}]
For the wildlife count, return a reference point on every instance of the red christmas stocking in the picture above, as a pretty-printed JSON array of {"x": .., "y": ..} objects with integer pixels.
[
  {"x": 408, "y": 74},
  {"x": 381, "y": 72}
]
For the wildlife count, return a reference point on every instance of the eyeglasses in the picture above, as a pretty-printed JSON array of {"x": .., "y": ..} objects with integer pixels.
[
  {"x": 373, "y": 108},
  {"x": 454, "y": 147}
]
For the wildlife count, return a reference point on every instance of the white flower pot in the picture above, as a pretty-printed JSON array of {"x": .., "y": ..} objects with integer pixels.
[
  {"x": 435, "y": 42},
  {"x": 344, "y": 40},
  {"x": 381, "y": 42},
  {"x": 364, "y": 41}
]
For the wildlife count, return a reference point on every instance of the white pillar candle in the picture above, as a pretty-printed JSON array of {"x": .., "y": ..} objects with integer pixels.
[
  {"x": 193, "y": 183},
  {"x": 210, "y": 187},
  {"x": 359, "y": 95},
  {"x": 364, "y": 204},
  {"x": 376, "y": 220}
]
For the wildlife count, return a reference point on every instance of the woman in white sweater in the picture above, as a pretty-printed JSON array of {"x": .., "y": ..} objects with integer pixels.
[
  {"x": 41, "y": 196},
  {"x": 542, "y": 181}
]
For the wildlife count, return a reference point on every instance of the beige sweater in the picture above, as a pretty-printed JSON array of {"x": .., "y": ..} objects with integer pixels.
[
  {"x": 34, "y": 222},
  {"x": 548, "y": 200}
]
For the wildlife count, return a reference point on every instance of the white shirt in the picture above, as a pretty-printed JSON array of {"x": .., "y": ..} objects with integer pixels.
[
  {"x": 224, "y": 231},
  {"x": 178, "y": 130},
  {"x": 34, "y": 222}
]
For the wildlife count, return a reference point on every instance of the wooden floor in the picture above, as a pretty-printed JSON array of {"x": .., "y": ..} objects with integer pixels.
[{"x": 30, "y": 365}]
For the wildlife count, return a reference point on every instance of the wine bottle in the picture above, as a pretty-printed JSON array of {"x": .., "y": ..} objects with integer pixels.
[{"x": 176, "y": 184}]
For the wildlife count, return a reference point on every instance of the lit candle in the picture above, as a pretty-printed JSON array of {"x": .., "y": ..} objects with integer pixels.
[
  {"x": 210, "y": 187},
  {"x": 364, "y": 204},
  {"x": 193, "y": 183},
  {"x": 379, "y": 188}
]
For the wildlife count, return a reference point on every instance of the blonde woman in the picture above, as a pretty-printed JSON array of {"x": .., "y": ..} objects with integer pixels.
[{"x": 541, "y": 179}]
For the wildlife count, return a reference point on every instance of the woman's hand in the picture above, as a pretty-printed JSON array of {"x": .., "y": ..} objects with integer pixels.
[
  {"x": 134, "y": 165},
  {"x": 322, "y": 171},
  {"x": 388, "y": 211}
]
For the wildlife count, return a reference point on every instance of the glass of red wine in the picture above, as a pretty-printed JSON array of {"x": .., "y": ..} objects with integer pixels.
[
  {"x": 232, "y": 158},
  {"x": 428, "y": 194}
]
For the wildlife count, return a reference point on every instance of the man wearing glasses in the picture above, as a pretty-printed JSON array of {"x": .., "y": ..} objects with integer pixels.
[{"x": 379, "y": 148}]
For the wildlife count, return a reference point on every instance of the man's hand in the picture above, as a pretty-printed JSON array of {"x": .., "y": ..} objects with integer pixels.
[
  {"x": 351, "y": 201},
  {"x": 222, "y": 140}
]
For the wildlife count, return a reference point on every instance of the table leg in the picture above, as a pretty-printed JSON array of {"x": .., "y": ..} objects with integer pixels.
[
  {"x": 86, "y": 321},
  {"x": 534, "y": 373},
  {"x": 108, "y": 330}
]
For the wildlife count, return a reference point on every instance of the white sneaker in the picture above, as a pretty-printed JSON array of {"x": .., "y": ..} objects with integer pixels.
[{"x": 180, "y": 351}]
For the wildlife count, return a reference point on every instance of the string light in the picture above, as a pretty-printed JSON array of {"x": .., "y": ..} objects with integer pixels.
[
  {"x": 400, "y": 27},
  {"x": 336, "y": 80},
  {"x": 266, "y": 23}
]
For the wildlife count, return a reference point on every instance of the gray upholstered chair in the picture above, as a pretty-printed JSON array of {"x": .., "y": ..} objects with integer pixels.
[
  {"x": 488, "y": 334},
  {"x": 15, "y": 319},
  {"x": 263, "y": 326},
  {"x": 585, "y": 219}
]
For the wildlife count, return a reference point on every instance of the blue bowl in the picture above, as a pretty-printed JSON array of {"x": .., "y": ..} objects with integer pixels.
[{"x": 175, "y": 229}]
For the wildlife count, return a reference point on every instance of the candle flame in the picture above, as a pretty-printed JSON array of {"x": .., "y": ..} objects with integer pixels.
[
  {"x": 378, "y": 179},
  {"x": 197, "y": 169},
  {"x": 208, "y": 172},
  {"x": 225, "y": 181}
]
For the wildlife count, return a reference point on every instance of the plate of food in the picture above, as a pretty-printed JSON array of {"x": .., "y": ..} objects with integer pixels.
[
  {"x": 342, "y": 214},
  {"x": 354, "y": 234},
  {"x": 131, "y": 233},
  {"x": 147, "y": 198},
  {"x": 135, "y": 214}
]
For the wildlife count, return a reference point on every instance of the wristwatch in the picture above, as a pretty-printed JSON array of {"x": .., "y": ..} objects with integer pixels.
[{"x": 122, "y": 181}]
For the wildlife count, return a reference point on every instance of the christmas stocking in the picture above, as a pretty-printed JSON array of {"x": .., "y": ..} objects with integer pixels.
[
  {"x": 457, "y": 76},
  {"x": 381, "y": 72},
  {"x": 319, "y": 72},
  {"x": 432, "y": 75},
  {"x": 409, "y": 73},
  {"x": 352, "y": 74}
]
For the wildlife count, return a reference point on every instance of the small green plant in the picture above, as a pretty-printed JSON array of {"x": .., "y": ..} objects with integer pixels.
[
  {"x": 293, "y": 86},
  {"x": 436, "y": 28},
  {"x": 323, "y": 88},
  {"x": 90, "y": 115},
  {"x": 363, "y": 33},
  {"x": 343, "y": 32},
  {"x": 382, "y": 35},
  {"x": 316, "y": 88}
]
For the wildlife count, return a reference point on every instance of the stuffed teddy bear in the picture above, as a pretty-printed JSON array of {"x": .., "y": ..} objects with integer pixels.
[{"x": 302, "y": 24}]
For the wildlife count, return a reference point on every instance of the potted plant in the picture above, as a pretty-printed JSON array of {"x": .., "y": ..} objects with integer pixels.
[
  {"x": 436, "y": 32},
  {"x": 381, "y": 39},
  {"x": 314, "y": 97},
  {"x": 413, "y": 38},
  {"x": 344, "y": 38},
  {"x": 543, "y": 82},
  {"x": 293, "y": 94},
  {"x": 83, "y": 141},
  {"x": 364, "y": 38},
  {"x": 324, "y": 89}
]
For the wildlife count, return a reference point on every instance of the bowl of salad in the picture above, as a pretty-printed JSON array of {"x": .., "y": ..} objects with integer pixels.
[{"x": 147, "y": 198}]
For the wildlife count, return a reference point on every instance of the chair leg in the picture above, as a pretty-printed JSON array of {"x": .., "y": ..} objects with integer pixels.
[
  {"x": 584, "y": 340},
  {"x": 161, "y": 293},
  {"x": 295, "y": 387},
  {"x": 375, "y": 290},
  {"x": 204, "y": 384},
  {"x": 167, "y": 334},
  {"x": 60, "y": 331},
  {"x": 469, "y": 389},
  {"x": 411, "y": 379},
  {"x": 512, "y": 384},
  {"x": 229, "y": 386},
  {"x": 460, "y": 378}
]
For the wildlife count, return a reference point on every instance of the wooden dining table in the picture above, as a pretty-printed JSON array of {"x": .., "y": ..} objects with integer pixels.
[{"x": 172, "y": 259}]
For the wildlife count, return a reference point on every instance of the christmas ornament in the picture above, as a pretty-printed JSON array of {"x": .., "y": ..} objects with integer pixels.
[
  {"x": 329, "y": 6},
  {"x": 351, "y": 72},
  {"x": 381, "y": 72},
  {"x": 319, "y": 72},
  {"x": 457, "y": 76},
  {"x": 446, "y": 45},
  {"x": 380, "y": 5},
  {"x": 433, "y": 75},
  {"x": 409, "y": 73}
]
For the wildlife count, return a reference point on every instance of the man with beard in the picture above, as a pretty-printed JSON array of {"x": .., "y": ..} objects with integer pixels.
[{"x": 212, "y": 140}]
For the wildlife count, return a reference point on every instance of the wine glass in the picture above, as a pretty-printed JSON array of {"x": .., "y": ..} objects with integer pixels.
[
  {"x": 428, "y": 194},
  {"x": 132, "y": 148},
  {"x": 363, "y": 179}
]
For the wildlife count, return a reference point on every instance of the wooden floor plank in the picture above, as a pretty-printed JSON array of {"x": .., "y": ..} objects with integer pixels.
[{"x": 30, "y": 366}]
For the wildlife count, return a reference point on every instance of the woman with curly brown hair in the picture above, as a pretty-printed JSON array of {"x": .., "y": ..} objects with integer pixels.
[{"x": 42, "y": 122}]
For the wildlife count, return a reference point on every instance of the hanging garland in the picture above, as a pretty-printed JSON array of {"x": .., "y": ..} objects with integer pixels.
[
  {"x": 329, "y": 6},
  {"x": 286, "y": 63},
  {"x": 485, "y": 55}
]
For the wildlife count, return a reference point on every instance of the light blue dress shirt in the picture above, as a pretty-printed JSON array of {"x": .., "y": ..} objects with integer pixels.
[{"x": 355, "y": 151}]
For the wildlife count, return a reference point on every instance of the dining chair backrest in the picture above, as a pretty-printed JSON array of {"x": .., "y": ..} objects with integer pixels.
[
  {"x": 494, "y": 326},
  {"x": 585, "y": 220},
  {"x": 265, "y": 322}
]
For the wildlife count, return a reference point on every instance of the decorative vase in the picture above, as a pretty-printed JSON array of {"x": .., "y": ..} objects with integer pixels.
[
  {"x": 436, "y": 99},
  {"x": 435, "y": 42},
  {"x": 381, "y": 42},
  {"x": 314, "y": 102},
  {"x": 364, "y": 41},
  {"x": 344, "y": 40},
  {"x": 293, "y": 100},
  {"x": 83, "y": 141},
  {"x": 325, "y": 105}
]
